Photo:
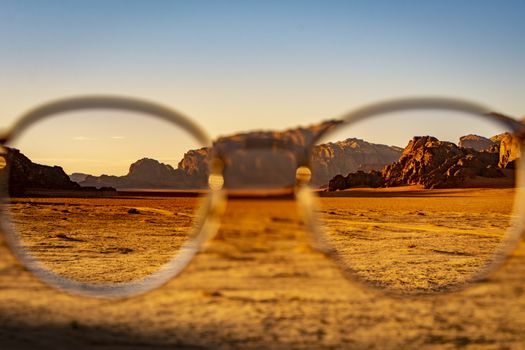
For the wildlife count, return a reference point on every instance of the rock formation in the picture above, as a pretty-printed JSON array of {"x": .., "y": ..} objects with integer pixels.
[
  {"x": 266, "y": 159},
  {"x": 431, "y": 163},
  {"x": 195, "y": 163},
  {"x": 509, "y": 149},
  {"x": 360, "y": 178},
  {"x": 150, "y": 170},
  {"x": 24, "y": 175},
  {"x": 349, "y": 156},
  {"x": 477, "y": 143},
  {"x": 78, "y": 177},
  {"x": 438, "y": 164},
  {"x": 148, "y": 173},
  {"x": 269, "y": 159}
]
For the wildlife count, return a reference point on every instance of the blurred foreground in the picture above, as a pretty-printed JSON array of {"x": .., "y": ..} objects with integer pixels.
[{"x": 260, "y": 285}]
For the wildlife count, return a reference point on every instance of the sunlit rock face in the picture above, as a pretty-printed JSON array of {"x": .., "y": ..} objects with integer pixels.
[
  {"x": 439, "y": 164},
  {"x": 509, "y": 149},
  {"x": 195, "y": 163},
  {"x": 432, "y": 163}
]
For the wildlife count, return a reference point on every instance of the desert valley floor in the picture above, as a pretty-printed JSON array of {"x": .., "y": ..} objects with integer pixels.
[{"x": 260, "y": 285}]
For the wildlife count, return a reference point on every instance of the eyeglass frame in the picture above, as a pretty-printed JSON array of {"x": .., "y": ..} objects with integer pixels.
[{"x": 207, "y": 223}]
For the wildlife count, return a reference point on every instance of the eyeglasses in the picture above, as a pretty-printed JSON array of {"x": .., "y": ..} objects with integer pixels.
[{"x": 410, "y": 196}]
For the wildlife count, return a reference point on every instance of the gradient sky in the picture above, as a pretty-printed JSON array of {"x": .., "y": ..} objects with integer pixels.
[{"x": 240, "y": 65}]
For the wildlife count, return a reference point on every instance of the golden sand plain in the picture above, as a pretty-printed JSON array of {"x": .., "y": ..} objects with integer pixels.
[
  {"x": 104, "y": 240},
  {"x": 405, "y": 239},
  {"x": 260, "y": 285},
  {"x": 411, "y": 239}
]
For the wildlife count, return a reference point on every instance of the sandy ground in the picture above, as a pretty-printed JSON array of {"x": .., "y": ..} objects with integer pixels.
[
  {"x": 414, "y": 239},
  {"x": 259, "y": 285},
  {"x": 104, "y": 240}
]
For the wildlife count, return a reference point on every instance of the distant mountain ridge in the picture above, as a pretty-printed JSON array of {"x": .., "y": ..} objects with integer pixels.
[
  {"x": 477, "y": 143},
  {"x": 149, "y": 173},
  {"x": 25, "y": 177},
  {"x": 24, "y": 174},
  {"x": 475, "y": 162},
  {"x": 255, "y": 159},
  {"x": 268, "y": 159},
  {"x": 348, "y": 156}
]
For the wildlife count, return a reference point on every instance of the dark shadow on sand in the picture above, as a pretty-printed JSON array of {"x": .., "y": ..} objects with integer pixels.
[{"x": 77, "y": 336}]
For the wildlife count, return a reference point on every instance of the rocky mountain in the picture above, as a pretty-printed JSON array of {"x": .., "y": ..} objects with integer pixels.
[
  {"x": 432, "y": 163},
  {"x": 506, "y": 144},
  {"x": 360, "y": 178},
  {"x": 269, "y": 159},
  {"x": 150, "y": 170},
  {"x": 78, "y": 177},
  {"x": 195, "y": 163},
  {"x": 349, "y": 156},
  {"x": 265, "y": 159},
  {"x": 148, "y": 173},
  {"x": 25, "y": 175},
  {"x": 477, "y": 143},
  {"x": 439, "y": 164},
  {"x": 509, "y": 149}
]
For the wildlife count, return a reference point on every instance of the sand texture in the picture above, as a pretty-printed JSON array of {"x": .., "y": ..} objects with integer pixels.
[{"x": 260, "y": 285}]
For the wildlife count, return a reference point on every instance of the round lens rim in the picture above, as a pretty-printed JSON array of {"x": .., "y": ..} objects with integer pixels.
[
  {"x": 308, "y": 200},
  {"x": 204, "y": 227}
]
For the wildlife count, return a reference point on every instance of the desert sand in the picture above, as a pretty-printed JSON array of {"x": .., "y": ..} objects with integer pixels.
[
  {"x": 260, "y": 285},
  {"x": 104, "y": 240},
  {"x": 409, "y": 239}
]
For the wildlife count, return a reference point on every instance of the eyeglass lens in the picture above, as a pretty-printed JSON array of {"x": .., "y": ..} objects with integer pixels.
[
  {"x": 104, "y": 196},
  {"x": 416, "y": 201}
]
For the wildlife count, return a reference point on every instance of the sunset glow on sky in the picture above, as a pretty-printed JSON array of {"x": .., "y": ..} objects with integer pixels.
[{"x": 242, "y": 65}]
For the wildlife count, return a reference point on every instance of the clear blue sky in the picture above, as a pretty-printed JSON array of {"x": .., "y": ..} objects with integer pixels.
[{"x": 240, "y": 65}]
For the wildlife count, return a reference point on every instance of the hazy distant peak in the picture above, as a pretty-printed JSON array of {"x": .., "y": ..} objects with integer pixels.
[
  {"x": 472, "y": 137},
  {"x": 149, "y": 168},
  {"x": 78, "y": 177},
  {"x": 476, "y": 142}
]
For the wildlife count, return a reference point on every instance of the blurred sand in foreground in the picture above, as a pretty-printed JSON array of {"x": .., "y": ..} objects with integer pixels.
[{"x": 259, "y": 285}]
